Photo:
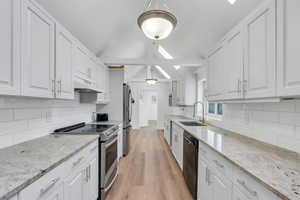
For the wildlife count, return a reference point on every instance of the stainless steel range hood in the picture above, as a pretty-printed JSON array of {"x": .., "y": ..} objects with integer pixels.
[{"x": 83, "y": 85}]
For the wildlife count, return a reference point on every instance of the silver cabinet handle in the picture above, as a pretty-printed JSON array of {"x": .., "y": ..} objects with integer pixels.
[
  {"x": 77, "y": 162},
  {"x": 53, "y": 88},
  {"x": 239, "y": 86},
  {"x": 245, "y": 85},
  {"x": 244, "y": 185},
  {"x": 219, "y": 164},
  {"x": 89, "y": 172},
  {"x": 49, "y": 186},
  {"x": 86, "y": 171},
  {"x": 207, "y": 176}
]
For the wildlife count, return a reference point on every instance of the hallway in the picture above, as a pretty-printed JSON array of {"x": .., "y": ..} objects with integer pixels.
[{"x": 149, "y": 172}]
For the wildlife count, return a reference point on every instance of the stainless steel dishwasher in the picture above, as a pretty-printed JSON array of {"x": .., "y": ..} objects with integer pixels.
[{"x": 190, "y": 163}]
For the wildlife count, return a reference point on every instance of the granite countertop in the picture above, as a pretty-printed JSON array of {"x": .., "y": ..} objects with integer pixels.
[
  {"x": 22, "y": 164},
  {"x": 277, "y": 169}
]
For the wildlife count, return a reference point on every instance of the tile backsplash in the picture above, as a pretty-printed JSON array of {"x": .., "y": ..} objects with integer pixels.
[
  {"x": 23, "y": 119},
  {"x": 274, "y": 123}
]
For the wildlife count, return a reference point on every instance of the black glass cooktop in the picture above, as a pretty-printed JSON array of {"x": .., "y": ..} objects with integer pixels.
[{"x": 84, "y": 128}]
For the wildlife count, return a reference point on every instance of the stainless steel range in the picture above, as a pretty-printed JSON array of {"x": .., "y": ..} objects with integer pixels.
[{"x": 108, "y": 155}]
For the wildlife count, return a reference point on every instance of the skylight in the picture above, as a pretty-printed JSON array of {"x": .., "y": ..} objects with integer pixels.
[
  {"x": 164, "y": 53},
  {"x": 168, "y": 56},
  {"x": 231, "y": 1},
  {"x": 177, "y": 67},
  {"x": 163, "y": 72}
]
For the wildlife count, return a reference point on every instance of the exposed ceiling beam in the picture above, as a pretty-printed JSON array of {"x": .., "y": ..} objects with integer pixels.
[{"x": 198, "y": 62}]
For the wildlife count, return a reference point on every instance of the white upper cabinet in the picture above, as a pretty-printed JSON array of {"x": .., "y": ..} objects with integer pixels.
[
  {"x": 64, "y": 64},
  {"x": 288, "y": 47},
  {"x": 260, "y": 52},
  {"x": 38, "y": 36},
  {"x": 10, "y": 47},
  {"x": 234, "y": 64},
  {"x": 216, "y": 76}
]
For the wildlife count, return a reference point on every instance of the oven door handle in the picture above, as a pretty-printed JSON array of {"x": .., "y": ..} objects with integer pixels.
[
  {"x": 110, "y": 143},
  {"x": 112, "y": 182}
]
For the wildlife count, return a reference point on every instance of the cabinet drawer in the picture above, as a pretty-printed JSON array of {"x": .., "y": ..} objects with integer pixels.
[
  {"x": 204, "y": 151},
  {"x": 81, "y": 157},
  {"x": 44, "y": 187},
  {"x": 250, "y": 187},
  {"x": 220, "y": 164}
]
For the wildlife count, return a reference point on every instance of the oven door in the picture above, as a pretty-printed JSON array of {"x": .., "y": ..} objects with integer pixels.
[{"x": 109, "y": 162}]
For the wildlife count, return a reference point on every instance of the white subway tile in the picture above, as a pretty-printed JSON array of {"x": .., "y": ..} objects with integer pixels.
[
  {"x": 290, "y": 118},
  {"x": 6, "y": 115},
  {"x": 280, "y": 107},
  {"x": 13, "y": 126},
  {"x": 6, "y": 140},
  {"x": 26, "y": 114},
  {"x": 262, "y": 116}
]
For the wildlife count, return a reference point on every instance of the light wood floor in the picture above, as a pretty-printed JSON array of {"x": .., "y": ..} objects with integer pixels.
[{"x": 149, "y": 172}]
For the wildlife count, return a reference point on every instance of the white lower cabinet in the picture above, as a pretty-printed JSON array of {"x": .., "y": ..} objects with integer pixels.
[
  {"x": 177, "y": 144},
  {"x": 219, "y": 179},
  {"x": 14, "y": 198},
  {"x": 74, "y": 186},
  {"x": 167, "y": 131},
  {"x": 76, "y": 179}
]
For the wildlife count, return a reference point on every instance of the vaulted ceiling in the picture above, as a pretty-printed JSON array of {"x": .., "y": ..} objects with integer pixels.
[{"x": 109, "y": 27}]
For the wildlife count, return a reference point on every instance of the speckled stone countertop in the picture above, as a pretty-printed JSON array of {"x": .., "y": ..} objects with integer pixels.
[
  {"x": 22, "y": 164},
  {"x": 275, "y": 168}
]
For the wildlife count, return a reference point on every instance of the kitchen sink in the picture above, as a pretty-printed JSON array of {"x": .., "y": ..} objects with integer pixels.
[{"x": 192, "y": 123}]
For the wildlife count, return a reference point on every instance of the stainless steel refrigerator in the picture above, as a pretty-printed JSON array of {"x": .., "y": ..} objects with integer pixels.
[{"x": 128, "y": 101}]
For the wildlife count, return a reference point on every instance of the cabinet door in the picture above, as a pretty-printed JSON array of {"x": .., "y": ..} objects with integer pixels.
[
  {"x": 74, "y": 186},
  {"x": 38, "y": 52},
  {"x": 92, "y": 184},
  {"x": 9, "y": 48},
  {"x": 234, "y": 64},
  {"x": 216, "y": 74},
  {"x": 288, "y": 47},
  {"x": 221, "y": 189},
  {"x": 260, "y": 52},
  {"x": 204, "y": 187},
  {"x": 57, "y": 194},
  {"x": 64, "y": 64},
  {"x": 237, "y": 195},
  {"x": 180, "y": 149}
]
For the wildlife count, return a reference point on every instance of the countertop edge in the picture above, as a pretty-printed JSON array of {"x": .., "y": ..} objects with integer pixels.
[
  {"x": 266, "y": 185},
  {"x": 21, "y": 187}
]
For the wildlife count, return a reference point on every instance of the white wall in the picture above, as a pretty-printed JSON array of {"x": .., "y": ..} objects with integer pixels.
[
  {"x": 115, "y": 106},
  {"x": 274, "y": 123},
  {"x": 162, "y": 90},
  {"x": 23, "y": 119}
]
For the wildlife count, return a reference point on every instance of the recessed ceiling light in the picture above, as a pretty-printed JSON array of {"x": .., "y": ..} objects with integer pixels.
[
  {"x": 177, "y": 67},
  {"x": 163, "y": 72},
  {"x": 231, "y": 1}
]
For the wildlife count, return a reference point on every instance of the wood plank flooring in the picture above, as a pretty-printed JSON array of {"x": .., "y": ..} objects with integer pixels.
[{"x": 149, "y": 172}]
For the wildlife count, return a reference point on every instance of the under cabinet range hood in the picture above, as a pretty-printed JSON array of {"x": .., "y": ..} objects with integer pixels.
[{"x": 84, "y": 85}]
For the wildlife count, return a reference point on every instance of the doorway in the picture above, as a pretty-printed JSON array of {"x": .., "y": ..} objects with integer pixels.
[{"x": 148, "y": 108}]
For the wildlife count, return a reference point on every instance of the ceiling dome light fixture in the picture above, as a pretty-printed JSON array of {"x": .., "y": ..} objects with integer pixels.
[
  {"x": 156, "y": 23},
  {"x": 150, "y": 80}
]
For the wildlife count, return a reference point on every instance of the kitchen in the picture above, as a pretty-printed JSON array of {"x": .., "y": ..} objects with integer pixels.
[{"x": 120, "y": 100}]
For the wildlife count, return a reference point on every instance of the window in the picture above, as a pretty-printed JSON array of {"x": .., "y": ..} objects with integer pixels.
[{"x": 215, "y": 108}]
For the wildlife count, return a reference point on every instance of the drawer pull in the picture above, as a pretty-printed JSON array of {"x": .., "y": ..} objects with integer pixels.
[
  {"x": 244, "y": 185},
  {"x": 77, "y": 162},
  {"x": 47, "y": 188},
  {"x": 219, "y": 164},
  {"x": 93, "y": 149}
]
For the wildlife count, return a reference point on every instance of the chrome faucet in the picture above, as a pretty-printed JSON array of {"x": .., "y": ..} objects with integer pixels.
[{"x": 195, "y": 107}]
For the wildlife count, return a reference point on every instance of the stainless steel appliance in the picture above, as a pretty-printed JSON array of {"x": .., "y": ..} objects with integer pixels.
[
  {"x": 190, "y": 163},
  {"x": 127, "y": 114},
  {"x": 108, "y": 151},
  {"x": 101, "y": 117}
]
